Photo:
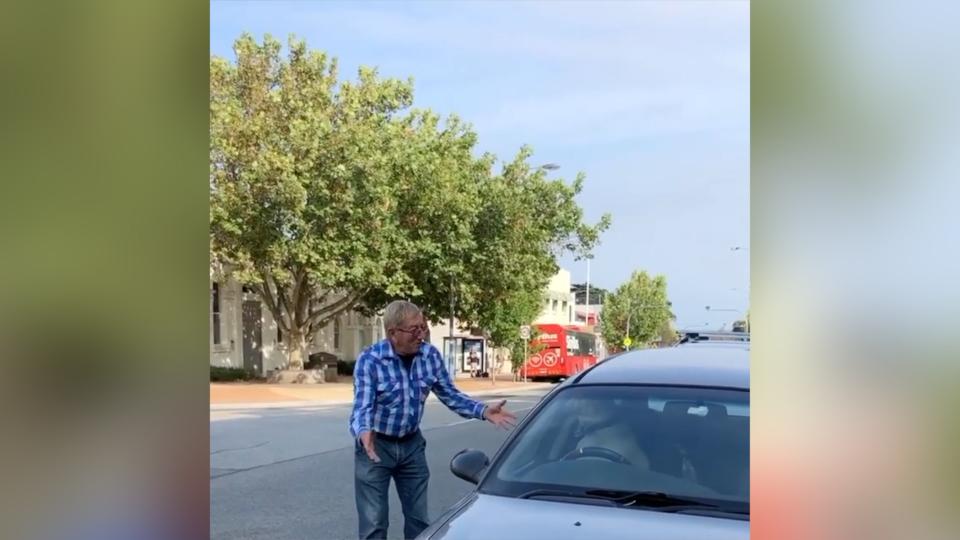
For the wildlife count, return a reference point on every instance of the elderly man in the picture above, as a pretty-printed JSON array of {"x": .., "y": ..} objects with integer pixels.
[{"x": 392, "y": 380}]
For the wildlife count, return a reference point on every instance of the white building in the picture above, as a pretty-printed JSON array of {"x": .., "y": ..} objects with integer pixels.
[
  {"x": 558, "y": 301},
  {"x": 243, "y": 333}
]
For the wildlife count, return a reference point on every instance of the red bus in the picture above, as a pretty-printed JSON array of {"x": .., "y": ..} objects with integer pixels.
[{"x": 562, "y": 351}]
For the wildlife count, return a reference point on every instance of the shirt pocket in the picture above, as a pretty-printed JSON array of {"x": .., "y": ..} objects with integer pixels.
[
  {"x": 389, "y": 393},
  {"x": 424, "y": 386}
]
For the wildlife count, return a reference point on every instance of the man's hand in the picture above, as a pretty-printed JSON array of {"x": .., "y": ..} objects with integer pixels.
[
  {"x": 498, "y": 416},
  {"x": 366, "y": 439}
]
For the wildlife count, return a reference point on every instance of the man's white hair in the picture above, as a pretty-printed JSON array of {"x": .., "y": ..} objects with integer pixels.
[{"x": 397, "y": 312}]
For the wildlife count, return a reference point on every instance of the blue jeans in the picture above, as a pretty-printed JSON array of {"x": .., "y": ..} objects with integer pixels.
[{"x": 406, "y": 463}]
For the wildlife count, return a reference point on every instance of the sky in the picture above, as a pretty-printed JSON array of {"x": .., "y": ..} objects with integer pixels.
[{"x": 651, "y": 100}]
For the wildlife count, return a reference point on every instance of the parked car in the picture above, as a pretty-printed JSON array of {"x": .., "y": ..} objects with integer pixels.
[{"x": 648, "y": 444}]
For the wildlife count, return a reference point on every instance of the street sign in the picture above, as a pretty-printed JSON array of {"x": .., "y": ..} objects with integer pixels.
[
  {"x": 627, "y": 341},
  {"x": 525, "y": 331}
]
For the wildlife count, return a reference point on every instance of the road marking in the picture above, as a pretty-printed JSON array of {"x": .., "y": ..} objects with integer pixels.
[
  {"x": 215, "y": 417},
  {"x": 241, "y": 448}
]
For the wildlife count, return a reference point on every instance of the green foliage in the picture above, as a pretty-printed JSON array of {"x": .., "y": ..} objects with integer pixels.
[
  {"x": 596, "y": 293},
  {"x": 227, "y": 374},
  {"x": 640, "y": 303},
  {"x": 518, "y": 348},
  {"x": 329, "y": 195},
  {"x": 667, "y": 335},
  {"x": 525, "y": 223}
]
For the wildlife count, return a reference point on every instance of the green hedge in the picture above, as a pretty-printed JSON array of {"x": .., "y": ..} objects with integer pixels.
[{"x": 225, "y": 374}]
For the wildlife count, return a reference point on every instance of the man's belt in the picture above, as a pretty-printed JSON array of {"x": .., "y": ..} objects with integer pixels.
[{"x": 401, "y": 438}]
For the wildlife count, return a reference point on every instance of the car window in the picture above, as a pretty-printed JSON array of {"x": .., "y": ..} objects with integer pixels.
[{"x": 682, "y": 441}]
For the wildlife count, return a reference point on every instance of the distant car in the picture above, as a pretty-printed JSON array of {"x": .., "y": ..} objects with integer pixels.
[{"x": 648, "y": 444}]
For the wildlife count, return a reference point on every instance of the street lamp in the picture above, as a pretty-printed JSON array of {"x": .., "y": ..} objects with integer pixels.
[{"x": 587, "y": 299}]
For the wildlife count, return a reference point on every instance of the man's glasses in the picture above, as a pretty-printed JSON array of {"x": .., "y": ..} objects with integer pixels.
[{"x": 416, "y": 330}]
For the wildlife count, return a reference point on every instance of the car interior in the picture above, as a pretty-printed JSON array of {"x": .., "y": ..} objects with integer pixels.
[{"x": 692, "y": 446}]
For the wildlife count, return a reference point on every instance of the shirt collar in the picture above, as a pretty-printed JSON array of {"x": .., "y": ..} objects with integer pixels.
[{"x": 386, "y": 350}]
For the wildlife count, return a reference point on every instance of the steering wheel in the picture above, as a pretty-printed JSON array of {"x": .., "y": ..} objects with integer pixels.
[{"x": 597, "y": 452}]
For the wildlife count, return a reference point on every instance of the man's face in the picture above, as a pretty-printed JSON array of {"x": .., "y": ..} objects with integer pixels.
[{"x": 407, "y": 336}]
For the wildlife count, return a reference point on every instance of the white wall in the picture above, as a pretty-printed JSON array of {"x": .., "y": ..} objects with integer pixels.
[
  {"x": 356, "y": 333},
  {"x": 557, "y": 301},
  {"x": 229, "y": 352}
]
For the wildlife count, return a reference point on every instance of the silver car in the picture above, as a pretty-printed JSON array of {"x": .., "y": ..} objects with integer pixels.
[{"x": 646, "y": 444}]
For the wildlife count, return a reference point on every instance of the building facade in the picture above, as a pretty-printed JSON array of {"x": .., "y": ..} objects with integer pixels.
[
  {"x": 558, "y": 301},
  {"x": 244, "y": 334}
]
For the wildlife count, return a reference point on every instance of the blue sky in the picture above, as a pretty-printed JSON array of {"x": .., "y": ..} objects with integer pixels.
[{"x": 650, "y": 99}]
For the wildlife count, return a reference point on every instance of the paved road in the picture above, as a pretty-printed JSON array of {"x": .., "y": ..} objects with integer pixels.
[{"x": 288, "y": 473}]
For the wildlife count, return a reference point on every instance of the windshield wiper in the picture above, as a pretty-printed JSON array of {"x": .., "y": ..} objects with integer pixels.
[
  {"x": 652, "y": 500},
  {"x": 573, "y": 496},
  {"x": 658, "y": 500}
]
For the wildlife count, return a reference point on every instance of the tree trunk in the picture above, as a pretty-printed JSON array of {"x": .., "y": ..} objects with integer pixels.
[{"x": 296, "y": 350}]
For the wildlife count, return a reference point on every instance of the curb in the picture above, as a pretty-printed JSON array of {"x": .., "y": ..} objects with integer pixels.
[{"x": 303, "y": 404}]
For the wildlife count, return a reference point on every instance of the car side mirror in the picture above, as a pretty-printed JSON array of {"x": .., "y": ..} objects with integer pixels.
[{"x": 468, "y": 464}]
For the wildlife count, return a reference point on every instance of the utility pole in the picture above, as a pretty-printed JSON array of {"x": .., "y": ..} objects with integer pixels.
[
  {"x": 526, "y": 356},
  {"x": 587, "y": 301},
  {"x": 452, "y": 365},
  {"x": 452, "y": 306}
]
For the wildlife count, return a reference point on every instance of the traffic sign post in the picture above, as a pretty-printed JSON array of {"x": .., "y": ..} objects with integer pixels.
[
  {"x": 526, "y": 355},
  {"x": 627, "y": 342},
  {"x": 525, "y": 334}
]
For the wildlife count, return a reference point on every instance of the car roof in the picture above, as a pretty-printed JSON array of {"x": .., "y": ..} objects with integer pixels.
[{"x": 706, "y": 363}]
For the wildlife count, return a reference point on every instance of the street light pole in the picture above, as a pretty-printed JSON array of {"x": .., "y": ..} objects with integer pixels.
[
  {"x": 452, "y": 306},
  {"x": 587, "y": 300},
  {"x": 452, "y": 367}
]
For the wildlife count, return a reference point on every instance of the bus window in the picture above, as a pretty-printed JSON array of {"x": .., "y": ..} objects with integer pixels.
[{"x": 588, "y": 343}]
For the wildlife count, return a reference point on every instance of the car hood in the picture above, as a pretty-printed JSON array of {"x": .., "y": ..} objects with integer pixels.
[{"x": 480, "y": 516}]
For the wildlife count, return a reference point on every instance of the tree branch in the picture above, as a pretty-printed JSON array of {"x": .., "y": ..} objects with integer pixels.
[
  {"x": 316, "y": 326},
  {"x": 284, "y": 304},
  {"x": 327, "y": 313},
  {"x": 267, "y": 294}
]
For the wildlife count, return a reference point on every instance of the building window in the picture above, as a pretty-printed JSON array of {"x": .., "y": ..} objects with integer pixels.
[
  {"x": 554, "y": 305},
  {"x": 564, "y": 308},
  {"x": 336, "y": 334},
  {"x": 364, "y": 337},
  {"x": 216, "y": 313}
]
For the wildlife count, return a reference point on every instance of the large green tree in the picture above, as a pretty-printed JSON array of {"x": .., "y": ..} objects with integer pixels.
[
  {"x": 638, "y": 308},
  {"x": 323, "y": 191},
  {"x": 526, "y": 222},
  {"x": 331, "y": 195}
]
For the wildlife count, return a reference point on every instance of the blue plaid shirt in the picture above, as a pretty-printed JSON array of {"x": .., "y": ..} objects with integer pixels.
[{"x": 389, "y": 400}]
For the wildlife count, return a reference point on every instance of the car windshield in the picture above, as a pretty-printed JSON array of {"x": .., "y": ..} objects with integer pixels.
[{"x": 676, "y": 442}]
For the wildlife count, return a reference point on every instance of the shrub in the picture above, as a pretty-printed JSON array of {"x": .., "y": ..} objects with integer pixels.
[{"x": 226, "y": 374}]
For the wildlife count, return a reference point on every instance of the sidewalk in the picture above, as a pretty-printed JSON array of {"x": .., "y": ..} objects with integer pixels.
[{"x": 225, "y": 396}]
